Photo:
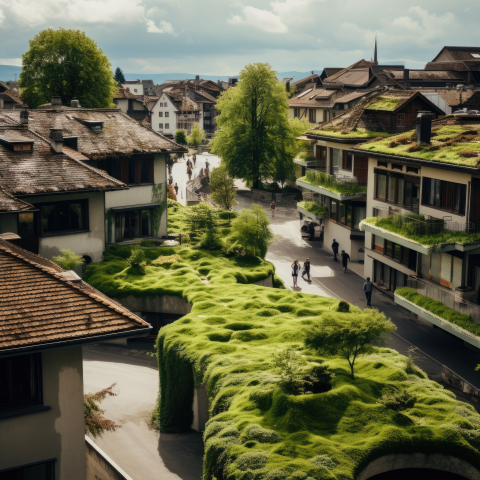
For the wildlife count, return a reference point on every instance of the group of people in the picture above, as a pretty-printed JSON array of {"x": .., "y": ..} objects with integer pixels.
[
  {"x": 296, "y": 269},
  {"x": 345, "y": 256}
]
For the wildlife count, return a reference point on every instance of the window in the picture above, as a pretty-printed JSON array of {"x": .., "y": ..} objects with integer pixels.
[
  {"x": 165, "y": 104},
  {"x": 67, "y": 216},
  {"x": 145, "y": 171},
  {"x": 133, "y": 224},
  {"x": 160, "y": 114},
  {"x": 26, "y": 224},
  {"x": 382, "y": 164},
  {"x": 333, "y": 210},
  {"x": 167, "y": 126},
  {"x": 296, "y": 112},
  {"x": 396, "y": 166},
  {"x": 348, "y": 213},
  {"x": 161, "y": 104},
  {"x": 336, "y": 156},
  {"x": 312, "y": 115},
  {"x": 381, "y": 186},
  {"x": 160, "y": 125},
  {"x": 167, "y": 114},
  {"x": 347, "y": 160},
  {"x": 400, "y": 119},
  {"x": 35, "y": 471},
  {"x": 140, "y": 171},
  {"x": 113, "y": 166},
  {"x": 135, "y": 90},
  {"x": 412, "y": 169},
  {"x": 444, "y": 195},
  {"x": 20, "y": 382}
]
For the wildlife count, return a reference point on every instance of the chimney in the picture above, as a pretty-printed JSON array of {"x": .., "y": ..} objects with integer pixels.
[
  {"x": 56, "y": 140},
  {"x": 24, "y": 116},
  {"x": 406, "y": 78},
  {"x": 287, "y": 85},
  {"x": 74, "y": 103},
  {"x": 197, "y": 78},
  {"x": 56, "y": 102},
  {"x": 423, "y": 128}
]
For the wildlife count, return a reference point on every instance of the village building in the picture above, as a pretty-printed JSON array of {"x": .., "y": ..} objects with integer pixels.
[
  {"x": 47, "y": 316},
  {"x": 9, "y": 98},
  {"x": 131, "y": 104}
]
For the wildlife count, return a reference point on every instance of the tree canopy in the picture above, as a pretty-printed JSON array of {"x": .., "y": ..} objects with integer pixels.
[
  {"x": 181, "y": 137},
  {"x": 119, "y": 77},
  {"x": 69, "y": 64},
  {"x": 221, "y": 186},
  {"x": 255, "y": 134},
  {"x": 197, "y": 135},
  {"x": 357, "y": 337}
]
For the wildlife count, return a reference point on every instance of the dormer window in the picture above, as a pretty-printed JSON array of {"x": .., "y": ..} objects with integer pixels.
[
  {"x": 95, "y": 125},
  {"x": 476, "y": 55},
  {"x": 19, "y": 145}
]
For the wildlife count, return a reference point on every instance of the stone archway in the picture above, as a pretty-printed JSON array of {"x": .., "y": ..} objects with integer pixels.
[{"x": 451, "y": 468}]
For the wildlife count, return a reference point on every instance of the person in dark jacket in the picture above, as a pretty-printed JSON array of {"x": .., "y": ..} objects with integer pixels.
[
  {"x": 368, "y": 288},
  {"x": 306, "y": 269},
  {"x": 295, "y": 269},
  {"x": 194, "y": 160},
  {"x": 272, "y": 206},
  {"x": 176, "y": 189},
  {"x": 345, "y": 259},
  {"x": 335, "y": 246}
]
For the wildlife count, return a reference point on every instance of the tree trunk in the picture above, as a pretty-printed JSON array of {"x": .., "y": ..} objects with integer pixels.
[{"x": 351, "y": 371}]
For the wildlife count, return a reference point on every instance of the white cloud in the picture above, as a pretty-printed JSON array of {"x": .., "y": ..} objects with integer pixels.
[
  {"x": 262, "y": 19},
  {"x": 165, "y": 27},
  {"x": 11, "y": 61},
  {"x": 290, "y": 8},
  {"x": 2, "y": 16}
]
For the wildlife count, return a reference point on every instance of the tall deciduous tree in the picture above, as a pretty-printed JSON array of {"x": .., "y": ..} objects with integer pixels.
[
  {"x": 221, "y": 186},
  {"x": 197, "y": 135},
  {"x": 255, "y": 132},
  {"x": 119, "y": 77},
  {"x": 69, "y": 64}
]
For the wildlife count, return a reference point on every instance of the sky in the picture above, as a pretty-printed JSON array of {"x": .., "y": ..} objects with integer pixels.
[{"x": 221, "y": 36}]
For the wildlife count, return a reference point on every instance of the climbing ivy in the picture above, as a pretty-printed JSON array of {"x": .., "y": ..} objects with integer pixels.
[
  {"x": 159, "y": 195},
  {"x": 110, "y": 217}
]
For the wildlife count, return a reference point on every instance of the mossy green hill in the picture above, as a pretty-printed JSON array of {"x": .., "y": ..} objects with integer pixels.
[{"x": 255, "y": 430}]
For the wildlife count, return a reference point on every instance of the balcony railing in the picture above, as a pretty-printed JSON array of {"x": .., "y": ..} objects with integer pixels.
[
  {"x": 327, "y": 178},
  {"x": 453, "y": 300}
]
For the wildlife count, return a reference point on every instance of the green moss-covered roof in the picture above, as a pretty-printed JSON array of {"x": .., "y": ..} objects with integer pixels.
[
  {"x": 448, "y": 142},
  {"x": 313, "y": 207},
  {"x": 328, "y": 182},
  {"x": 360, "y": 134},
  {"x": 388, "y": 104},
  {"x": 255, "y": 430}
]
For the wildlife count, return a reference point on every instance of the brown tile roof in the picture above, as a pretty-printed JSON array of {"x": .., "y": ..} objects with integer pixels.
[
  {"x": 352, "y": 96},
  {"x": 120, "y": 136},
  {"x": 8, "y": 203},
  {"x": 42, "y": 171},
  {"x": 38, "y": 307},
  {"x": 332, "y": 71},
  {"x": 361, "y": 64},
  {"x": 425, "y": 75},
  {"x": 459, "y": 97},
  {"x": 319, "y": 97},
  {"x": 206, "y": 95},
  {"x": 12, "y": 95},
  {"x": 460, "y": 53},
  {"x": 304, "y": 80},
  {"x": 125, "y": 93}
]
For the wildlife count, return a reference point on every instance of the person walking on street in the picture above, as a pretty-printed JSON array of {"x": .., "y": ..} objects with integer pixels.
[
  {"x": 207, "y": 163},
  {"x": 368, "y": 288},
  {"x": 194, "y": 160},
  {"x": 170, "y": 180},
  {"x": 345, "y": 259},
  {"x": 306, "y": 269},
  {"x": 189, "y": 172},
  {"x": 176, "y": 189},
  {"x": 295, "y": 269},
  {"x": 272, "y": 206},
  {"x": 207, "y": 173},
  {"x": 335, "y": 246}
]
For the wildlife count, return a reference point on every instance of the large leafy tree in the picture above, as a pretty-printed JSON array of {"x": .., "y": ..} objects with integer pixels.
[
  {"x": 119, "y": 77},
  {"x": 222, "y": 187},
  {"x": 69, "y": 64},
  {"x": 197, "y": 135},
  {"x": 255, "y": 132}
]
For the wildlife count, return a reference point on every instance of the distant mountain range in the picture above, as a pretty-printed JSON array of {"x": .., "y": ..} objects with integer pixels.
[{"x": 7, "y": 72}]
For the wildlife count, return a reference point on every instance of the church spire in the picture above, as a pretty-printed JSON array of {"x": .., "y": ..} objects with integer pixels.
[{"x": 375, "y": 59}]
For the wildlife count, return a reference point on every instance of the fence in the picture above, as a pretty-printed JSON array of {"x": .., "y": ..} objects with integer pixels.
[
  {"x": 452, "y": 300},
  {"x": 316, "y": 176}
]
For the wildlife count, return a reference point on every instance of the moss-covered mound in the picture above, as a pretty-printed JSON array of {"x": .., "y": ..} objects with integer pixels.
[
  {"x": 169, "y": 271},
  {"x": 256, "y": 431}
]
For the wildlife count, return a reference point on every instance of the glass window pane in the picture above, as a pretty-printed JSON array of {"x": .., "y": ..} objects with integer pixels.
[
  {"x": 341, "y": 213},
  {"x": 333, "y": 213},
  {"x": 37, "y": 472},
  {"x": 146, "y": 223},
  {"x": 135, "y": 219},
  {"x": 391, "y": 189},
  {"x": 405, "y": 255},
  {"x": 349, "y": 215},
  {"x": 49, "y": 218},
  {"x": 381, "y": 186},
  {"x": 397, "y": 252},
  {"x": 126, "y": 225},
  {"x": 437, "y": 193},
  {"x": 21, "y": 377},
  {"x": 132, "y": 164},
  {"x": 4, "y": 390},
  {"x": 400, "y": 190},
  {"x": 145, "y": 171},
  {"x": 26, "y": 224},
  {"x": 63, "y": 216},
  {"x": 76, "y": 217},
  {"x": 359, "y": 215},
  {"x": 408, "y": 199},
  {"x": 389, "y": 248},
  {"x": 336, "y": 157}
]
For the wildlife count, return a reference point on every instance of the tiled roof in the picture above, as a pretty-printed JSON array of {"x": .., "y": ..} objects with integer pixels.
[
  {"x": 38, "y": 307},
  {"x": 8, "y": 203},
  {"x": 12, "y": 95},
  {"x": 356, "y": 76},
  {"x": 125, "y": 93},
  {"x": 332, "y": 71},
  {"x": 459, "y": 97},
  {"x": 304, "y": 80},
  {"x": 206, "y": 95},
  {"x": 361, "y": 64},
  {"x": 425, "y": 75},
  {"x": 352, "y": 96},
  {"x": 460, "y": 53},
  {"x": 319, "y": 97},
  {"x": 120, "y": 136},
  {"x": 42, "y": 171}
]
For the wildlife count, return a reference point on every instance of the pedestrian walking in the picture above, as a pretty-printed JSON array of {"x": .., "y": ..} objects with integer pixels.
[
  {"x": 368, "y": 288},
  {"x": 189, "y": 173},
  {"x": 295, "y": 269},
  {"x": 306, "y": 269},
  {"x": 189, "y": 163},
  {"x": 207, "y": 163},
  {"x": 272, "y": 206},
  {"x": 345, "y": 259},
  {"x": 170, "y": 180},
  {"x": 335, "y": 246},
  {"x": 194, "y": 160},
  {"x": 207, "y": 173},
  {"x": 176, "y": 189}
]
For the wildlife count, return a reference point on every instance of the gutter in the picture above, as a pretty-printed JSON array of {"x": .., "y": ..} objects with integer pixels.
[
  {"x": 354, "y": 141},
  {"x": 140, "y": 332},
  {"x": 69, "y": 191}
]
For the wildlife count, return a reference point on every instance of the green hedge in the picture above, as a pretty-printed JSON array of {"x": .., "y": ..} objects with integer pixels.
[
  {"x": 320, "y": 179},
  {"x": 313, "y": 207},
  {"x": 439, "y": 309}
]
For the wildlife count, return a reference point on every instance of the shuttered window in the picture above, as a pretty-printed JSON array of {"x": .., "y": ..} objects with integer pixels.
[{"x": 446, "y": 270}]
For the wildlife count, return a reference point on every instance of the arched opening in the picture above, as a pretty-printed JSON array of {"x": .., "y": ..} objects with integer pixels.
[
  {"x": 417, "y": 474},
  {"x": 87, "y": 259}
]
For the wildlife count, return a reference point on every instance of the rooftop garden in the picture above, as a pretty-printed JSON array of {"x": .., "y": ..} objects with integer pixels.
[
  {"x": 279, "y": 409},
  {"x": 313, "y": 207},
  {"x": 384, "y": 103},
  {"x": 422, "y": 231},
  {"x": 320, "y": 179},
  {"x": 339, "y": 132},
  {"x": 440, "y": 310},
  {"x": 456, "y": 144}
]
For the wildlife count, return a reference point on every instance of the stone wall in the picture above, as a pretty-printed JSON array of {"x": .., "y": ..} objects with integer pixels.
[
  {"x": 451, "y": 378},
  {"x": 100, "y": 466},
  {"x": 263, "y": 196},
  {"x": 157, "y": 303}
]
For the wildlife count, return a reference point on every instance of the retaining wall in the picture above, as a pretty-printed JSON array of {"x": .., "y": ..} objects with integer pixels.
[
  {"x": 100, "y": 466},
  {"x": 263, "y": 196},
  {"x": 157, "y": 303},
  {"x": 455, "y": 380}
]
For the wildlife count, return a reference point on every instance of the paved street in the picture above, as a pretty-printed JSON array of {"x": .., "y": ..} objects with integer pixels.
[{"x": 142, "y": 452}]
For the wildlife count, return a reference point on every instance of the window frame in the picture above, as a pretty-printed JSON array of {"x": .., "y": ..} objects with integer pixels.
[
  {"x": 50, "y": 468},
  {"x": 400, "y": 119},
  {"x": 445, "y": 196},
  {"x": 85, "y": 213},
  {"x": 160, "y": 114},
  {"x": 167, "y": 126},
  {"x": 167, "y": 114}
]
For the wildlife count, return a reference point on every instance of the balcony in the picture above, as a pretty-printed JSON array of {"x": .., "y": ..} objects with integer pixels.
[
  {"x": 422, "y": 233},
  {"x": 339, "y": 187},
  {"x": 442, "y": 307}
]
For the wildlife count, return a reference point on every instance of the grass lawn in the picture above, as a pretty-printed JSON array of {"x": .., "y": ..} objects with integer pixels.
[
  {"x": 445, "y": 237},
  {"x": 447, "y": 144},
  {"x": 385, "y": 104},
  {"x": 323, "y": 180},
  {"x": 313, "y": 207},
  {"x": 337, "y": 133},
  {"x": 439, "y": 309}
]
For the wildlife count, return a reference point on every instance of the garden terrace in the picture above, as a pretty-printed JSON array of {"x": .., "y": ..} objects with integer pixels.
[
  {"x": 313, "y": 207},
  {"x": 453, "y": 142},
  {"x": 256, "y": 431},
  {"x": 333, "y": 185},
  {"x": 420, "y": 233}
]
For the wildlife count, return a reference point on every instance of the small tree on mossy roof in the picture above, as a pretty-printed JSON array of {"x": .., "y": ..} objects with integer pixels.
[
  {"x": 291, "y": 366},
  {"x": 68, "y": 260},
  {"x": 350, "y": 339}
]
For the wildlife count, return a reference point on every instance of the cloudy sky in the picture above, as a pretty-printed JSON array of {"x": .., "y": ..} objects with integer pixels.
[{"x": 221, "y": 36}]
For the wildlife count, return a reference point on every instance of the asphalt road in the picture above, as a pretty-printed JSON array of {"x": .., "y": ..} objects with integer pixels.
[{"x": 143, "y": 453}]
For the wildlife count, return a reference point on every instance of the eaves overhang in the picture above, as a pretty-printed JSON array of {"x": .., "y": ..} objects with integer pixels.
[{"x": 329, "y": 193}]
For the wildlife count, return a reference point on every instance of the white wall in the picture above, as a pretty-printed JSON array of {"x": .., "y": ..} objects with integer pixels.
[
  {"x": 55, "y": 433},
  {"x": 136, "y": 86},
  {"x": 342, "y": 236},
  {"x": 171, "y": 119},
  {"x": 122, "y": 104}
]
